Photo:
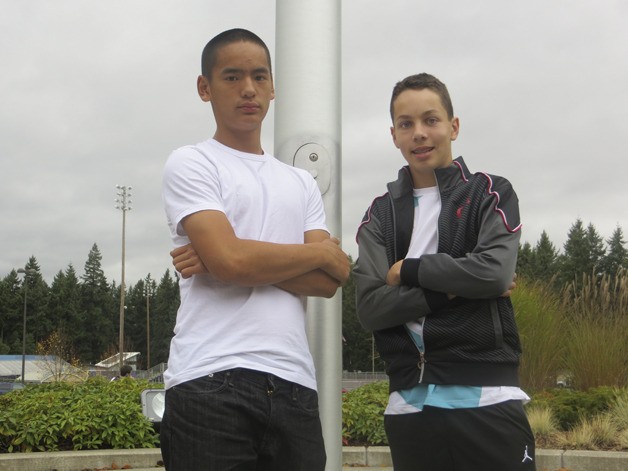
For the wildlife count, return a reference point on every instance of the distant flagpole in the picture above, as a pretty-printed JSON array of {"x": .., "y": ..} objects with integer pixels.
[{"x": 308, "y": 135}]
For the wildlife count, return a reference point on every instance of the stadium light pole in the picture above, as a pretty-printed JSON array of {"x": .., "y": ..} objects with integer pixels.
[
  {"x": 307, "y": 135},
  {"x": 123, "y": 203},
  {"x": 26, "y": 272},
  {"x": 148, "y": 292}
]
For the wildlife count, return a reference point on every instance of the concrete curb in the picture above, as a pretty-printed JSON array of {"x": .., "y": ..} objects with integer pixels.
[
  {"x": 78, "y": 460},
  {"x": 362, "y": 458}
]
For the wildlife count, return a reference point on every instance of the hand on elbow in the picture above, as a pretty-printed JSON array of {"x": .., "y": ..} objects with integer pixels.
[
  {"x": 393, "y": 277},
  {"x": 337, "y": 265},
  {"x": 187, "y": 262}
]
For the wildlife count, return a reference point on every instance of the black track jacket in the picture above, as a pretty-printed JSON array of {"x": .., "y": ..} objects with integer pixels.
[{"x": 471, "y": 340}]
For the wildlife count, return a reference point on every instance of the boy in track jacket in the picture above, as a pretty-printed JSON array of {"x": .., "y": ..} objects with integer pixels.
[{"x": 436, "y": 254}]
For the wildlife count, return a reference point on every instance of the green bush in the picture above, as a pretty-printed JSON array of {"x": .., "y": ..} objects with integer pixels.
[
  {"x": 96, "y": 414},
  {"x": 363, "y": 414},
  {"x": 570, "y": 407}
]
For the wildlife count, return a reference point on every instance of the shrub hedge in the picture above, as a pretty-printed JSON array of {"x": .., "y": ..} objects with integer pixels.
[
  {"x": 569, "y": 406},
  {"x": 363, "y": 414},
  {"x": 95, "y": 414},
  {"x": 98, "y": 414}
]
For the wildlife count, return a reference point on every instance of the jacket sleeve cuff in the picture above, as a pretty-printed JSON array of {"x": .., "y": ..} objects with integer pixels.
[
  {"x": 435, "y": 300},
  {"x": 409, "y": 272}
]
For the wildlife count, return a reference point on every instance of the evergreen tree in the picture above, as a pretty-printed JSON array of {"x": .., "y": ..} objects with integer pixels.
[
  {"x": 163, "y": 317},
  {"x": 65, "y": 306},
  {"x": 576, "y": 258},
  {"x": 596, "y": 250},
  {"x": 11, "y": 309},
  {"x": 616, "y": 257},
  {"x": 358, "y": 352},
  {"x": 38, "y": 320},
  {"x": 545, "y": 259},
  {"x": 97, "y": 310},
  {"x": 525, "y": 260},
  {"x": 93, "y": 275},
  {"x": 13, "y": 291}
]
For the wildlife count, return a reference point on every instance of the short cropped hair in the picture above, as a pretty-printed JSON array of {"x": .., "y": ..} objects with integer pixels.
[
  {"x": 421, "y": 82},
  {"x": 125, "y": 370},
  {"x": 210, "y": 52}
]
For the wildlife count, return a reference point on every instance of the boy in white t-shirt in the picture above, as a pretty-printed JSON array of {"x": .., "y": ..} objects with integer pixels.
[
  {"x": 252, "y": 243},
  {"x": 437, "y": 256}
]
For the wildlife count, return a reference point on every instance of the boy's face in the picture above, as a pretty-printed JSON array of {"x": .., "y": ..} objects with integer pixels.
[
  {"x": 240, "y": 88},
  {"x": 423, "y": 132}
]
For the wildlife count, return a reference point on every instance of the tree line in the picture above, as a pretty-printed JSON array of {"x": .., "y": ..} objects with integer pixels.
[
  {"x": 85, "y": 309},
  {"x": 584, "y": 252}
]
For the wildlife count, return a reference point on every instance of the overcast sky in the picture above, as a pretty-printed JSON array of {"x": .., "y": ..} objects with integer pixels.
[{"x": 95, "y": 93}]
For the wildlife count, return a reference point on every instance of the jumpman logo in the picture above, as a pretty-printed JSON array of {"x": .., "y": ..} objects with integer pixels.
[{"x": 526, "y": 456}]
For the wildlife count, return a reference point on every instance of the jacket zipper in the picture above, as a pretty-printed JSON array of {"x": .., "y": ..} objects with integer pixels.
[
  {"x": 422, "y": 360},
  {"x": 419, "y": 343},
  {"x": 420, "y": 348},
  {"x": 394, "y": 224}
]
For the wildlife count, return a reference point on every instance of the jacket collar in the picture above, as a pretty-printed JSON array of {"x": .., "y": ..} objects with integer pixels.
[
  {"x": 401, "y": 193},
  {"x": 446, "y": 178},
  {"x": 452, "y": 175}
]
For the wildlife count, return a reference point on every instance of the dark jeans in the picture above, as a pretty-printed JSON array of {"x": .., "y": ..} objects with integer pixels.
[
  {"x": 241, "y": 420},
  {"x": 489, "y": 438}
]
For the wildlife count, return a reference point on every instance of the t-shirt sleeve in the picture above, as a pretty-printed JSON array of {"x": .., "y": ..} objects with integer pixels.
[
  {"x": 190, "y": 184},
  {"x": 315, "y": 216}
]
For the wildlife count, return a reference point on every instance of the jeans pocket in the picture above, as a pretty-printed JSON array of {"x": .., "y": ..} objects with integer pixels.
[
  {"x": 305, "y": 399},
  {"x": 209, "y": 384}
]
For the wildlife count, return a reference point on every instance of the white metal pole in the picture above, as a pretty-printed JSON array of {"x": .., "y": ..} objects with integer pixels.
[
  {"x": 148, "y": 293},
  {"x": 307, "y": 135},
  {"x": 123, "y": 203},
  {"x": 122, "y": 292}
]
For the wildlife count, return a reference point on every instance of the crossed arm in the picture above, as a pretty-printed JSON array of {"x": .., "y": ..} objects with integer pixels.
[
  {"x": 316, "y": 268},
  {"x": 393, "y": 278},
  {"x": 384, "y": 300}
]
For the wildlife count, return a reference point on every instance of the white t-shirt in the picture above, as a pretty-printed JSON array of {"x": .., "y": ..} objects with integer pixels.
[
  {"x": 221, "y": 326},
  {"x": 424, "y": 237}
]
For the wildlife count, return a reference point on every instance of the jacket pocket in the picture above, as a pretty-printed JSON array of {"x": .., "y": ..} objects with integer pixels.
[{"x": 497, "y": 324}]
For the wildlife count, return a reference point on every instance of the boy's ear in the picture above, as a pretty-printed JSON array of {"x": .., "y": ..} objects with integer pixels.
[
  {"x": 394, "y": 137},
  {"x": 455, "y": 128},
  {"x": 203, "y": 88}
]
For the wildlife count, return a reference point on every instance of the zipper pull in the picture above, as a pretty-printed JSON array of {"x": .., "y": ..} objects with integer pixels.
[{"x": 421, "y": 365}]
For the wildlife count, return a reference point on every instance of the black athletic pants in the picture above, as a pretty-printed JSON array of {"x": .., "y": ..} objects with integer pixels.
[{"x": 490, "y": 438}]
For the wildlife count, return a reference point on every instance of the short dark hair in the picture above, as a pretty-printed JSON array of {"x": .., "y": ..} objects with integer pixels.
[
  {"x": 208, "y": 58},
  {"x": 421, "y": 82},
  {"x": 125, "y": 370}
]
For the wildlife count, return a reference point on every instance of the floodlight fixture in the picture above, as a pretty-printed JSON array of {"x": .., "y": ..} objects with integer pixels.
[{"x": 153, "y": 404}]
